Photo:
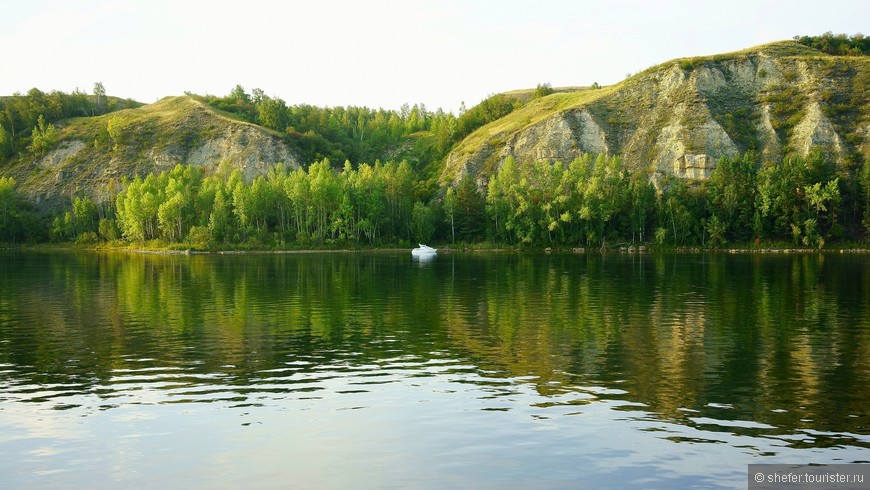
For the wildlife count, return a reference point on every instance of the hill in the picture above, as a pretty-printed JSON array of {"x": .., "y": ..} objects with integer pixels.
[
  {"x": 93, "y": 154},
  {"x": 680, "y": 117}
]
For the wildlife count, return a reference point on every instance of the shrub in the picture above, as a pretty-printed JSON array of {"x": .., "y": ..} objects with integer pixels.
[
  {"x": 542, "y": 90},
  {"x": 198, "y": 236},
  {"x": 87, "y": 238}
]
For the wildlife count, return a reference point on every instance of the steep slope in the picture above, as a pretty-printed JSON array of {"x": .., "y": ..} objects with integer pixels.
[
  {"x": 98, "y": 151},
  {"x": 682, "y": 116}
]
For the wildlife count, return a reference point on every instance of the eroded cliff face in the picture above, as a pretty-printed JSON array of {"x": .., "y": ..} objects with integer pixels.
[
  {"x": 178, "y": 130},
  {"x": 681, "y": 117}
]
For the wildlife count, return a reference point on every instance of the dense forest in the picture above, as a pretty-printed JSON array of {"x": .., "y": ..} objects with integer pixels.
[{"x": 592, "y": 201}]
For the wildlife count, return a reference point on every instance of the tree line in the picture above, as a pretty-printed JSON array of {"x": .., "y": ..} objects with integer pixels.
[
  {"x": 838, "y": 44},
  {"x": 592, "y": 201},
  {"x": 28, "y": 121},
  {"x": 361, "y": 134},
  {"x": 807, "y": 201}
]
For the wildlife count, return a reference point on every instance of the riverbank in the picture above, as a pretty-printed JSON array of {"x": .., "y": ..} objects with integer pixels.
[{"x": 482, "y": 248}]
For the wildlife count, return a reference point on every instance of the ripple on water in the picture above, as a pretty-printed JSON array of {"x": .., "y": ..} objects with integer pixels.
[{"x": 472, "y": 371}]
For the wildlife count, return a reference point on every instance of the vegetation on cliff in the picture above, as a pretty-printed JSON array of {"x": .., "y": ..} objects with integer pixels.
[
  {"x": 361, "y": 134},
  {"x": 764, "y": 144},
  {"x": 28, "y": 121},
  {"x": 837, "y": 45},
  {"x": 680, "y": 117}
]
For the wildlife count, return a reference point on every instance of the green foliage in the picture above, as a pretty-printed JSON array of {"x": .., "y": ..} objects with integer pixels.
[
  {"x": 681, "y": 209},
  {"x": 799, "y": 198},
  {"x": 716, "y": 230},
  {"x": 469, "y": 210},
  {"x": 6, "y": 146},
  {"x": 593, "y": 200},
  {"x": 85, "y": 216},
  {"x": 740, "y": 124},
  {"x": 838, "y": 45},
  {"x": 317, "y": 206},
  {"x": 788, "y": 104},
  {"x": 450, "y": 206},
  {"x": 687, "y": 64},
  {"x": 864, "y": 198},
  {"x": 661, "y": 235},
  {"x": 8, "y": 208},
  {"x": 732, "y": 191},
  {"x": 589, "y": 201},
  {"x": 44, "y": 137},
  {"x": 108, "y": 230},
  {"x": 99, "y": 98},
  {"x": 82, "y": 218},
  {"x": 87, "y": 238},
  {"x": 357, "y": 134},
  {"x": 20, "y": 126},
  {"x": 199, "y": 237},
  {"x": 542, "y": 90},
  {"x": 422, "y": 222},
  {"x": 490, "y": 109},
  {"x": 115, "y": 131}
]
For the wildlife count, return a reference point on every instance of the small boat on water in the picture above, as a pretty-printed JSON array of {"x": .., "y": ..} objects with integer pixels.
[{"x": 424, "y": 250}]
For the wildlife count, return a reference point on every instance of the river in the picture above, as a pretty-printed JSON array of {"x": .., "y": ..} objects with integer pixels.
[{"x": 378, "y": 370}]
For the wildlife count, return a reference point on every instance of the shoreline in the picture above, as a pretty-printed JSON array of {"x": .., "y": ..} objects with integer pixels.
[{"x": 640, "y": 250}]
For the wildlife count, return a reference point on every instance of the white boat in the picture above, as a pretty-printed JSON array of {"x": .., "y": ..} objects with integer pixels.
[{"x": 424, "y": 250}]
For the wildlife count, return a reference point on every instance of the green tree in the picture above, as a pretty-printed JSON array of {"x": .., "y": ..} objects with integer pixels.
[
  {"x": 99, "y": 98},
  {"x": 604, "y": 196},
  {"x": 450, "y": 204},
  {"x": 865, "y": 188},
  {"x": 8, "y": 207},
  {"x": 108, "y": 230},
  {"x": 421, "y": 222},
  {"x": 470, "y": 207},
  {"x": 6, "y": 146},
  {"x": 45, "y": 136},
  {"x": 85, "y": 217},
  {"x": 324, "y": 195},
  {"x": 220, "y": 219},
  {"x": 642, "y": 203},
  {"x": 170, "y": 217},
  {"x": 716, "y": 230},
  {"x": 273, "y": 113},
  {"x": 542, "y": 90},
  {"x": 498, "y": 206},
  {"x": 675, "y": 211},
  {"x": 732, "y": 191},
  {"x": 115, "y": 130}
]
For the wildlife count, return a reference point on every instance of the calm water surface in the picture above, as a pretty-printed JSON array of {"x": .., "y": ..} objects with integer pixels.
[{"x": 468, "y": 371}]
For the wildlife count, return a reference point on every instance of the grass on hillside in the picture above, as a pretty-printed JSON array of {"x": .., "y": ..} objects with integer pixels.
[{"x": 541, "y": 109}]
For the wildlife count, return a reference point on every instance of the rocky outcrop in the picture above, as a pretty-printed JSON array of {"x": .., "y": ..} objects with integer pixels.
[
  {"x": 816, "y": 130},
  {"x": 568, "y": 134},
  {"x": 175, "y": 130},
  {"x": 681, "y": 117},
  {"x": 696, "y": 167}
]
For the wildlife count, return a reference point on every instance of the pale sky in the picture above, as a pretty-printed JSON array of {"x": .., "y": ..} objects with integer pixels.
[{"x": 379, "y": 53}]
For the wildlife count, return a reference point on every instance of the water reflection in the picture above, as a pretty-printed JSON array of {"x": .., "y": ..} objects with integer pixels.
[
  {"x": 423, "y": 259},
  {"x": 762, "y": 354}
]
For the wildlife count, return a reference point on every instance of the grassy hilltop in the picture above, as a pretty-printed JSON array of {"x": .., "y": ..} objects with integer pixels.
[{"x": 776, "y": 99}]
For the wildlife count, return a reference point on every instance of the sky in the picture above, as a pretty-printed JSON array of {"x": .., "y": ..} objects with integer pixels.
[{"x": 379, "y": 53}]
